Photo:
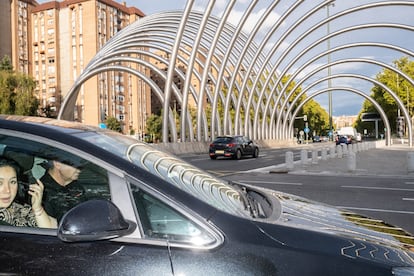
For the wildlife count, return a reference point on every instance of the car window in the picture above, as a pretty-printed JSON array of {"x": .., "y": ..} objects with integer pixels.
[
  {"x": 161, "y": 221},
  {"x": 222, "y": 140},
  {"x": 83, "y": 180}
]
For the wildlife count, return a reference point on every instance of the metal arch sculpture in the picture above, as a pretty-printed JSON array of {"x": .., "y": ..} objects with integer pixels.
[
  {"x": 321, "y": 68},
  {"x": 350, "y": 89},
  {"x": 233, "y": 68}
]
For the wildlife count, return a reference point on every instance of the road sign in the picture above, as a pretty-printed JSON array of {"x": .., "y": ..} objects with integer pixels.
[{"x": 306, "y": 130}]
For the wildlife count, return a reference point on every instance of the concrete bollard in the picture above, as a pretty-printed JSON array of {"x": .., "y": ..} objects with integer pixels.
[
  {"x": 332, "y": 153},
  {"x": 351, "y": 161},
  {"x": 324, "y": 154},
  {"x": 410, "y": 162},
  {"x": 339, "y": 151},
  {"x": 289, "y": 160},
  {"x": 304, "y": 157},
  {"x": 315, "y": 156}
]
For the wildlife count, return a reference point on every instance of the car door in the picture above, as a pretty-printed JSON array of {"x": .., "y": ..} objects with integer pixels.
[
  {"x": 39, "y": 251},
  {"x": 247, "y": 146}
]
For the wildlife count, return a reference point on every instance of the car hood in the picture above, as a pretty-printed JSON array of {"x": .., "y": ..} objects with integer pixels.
[{"x": 355, "y": 236}]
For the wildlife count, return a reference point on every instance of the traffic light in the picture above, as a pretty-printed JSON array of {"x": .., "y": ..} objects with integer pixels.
[{"x": 400, "y": 126}]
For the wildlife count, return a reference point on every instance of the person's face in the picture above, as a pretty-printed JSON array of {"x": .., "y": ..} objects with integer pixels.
[
  {"x": 8, "y": 186},
  {"x": 68, "y": 173}
]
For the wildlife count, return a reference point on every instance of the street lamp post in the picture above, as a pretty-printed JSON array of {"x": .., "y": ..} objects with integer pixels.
[{"x": 329, "y": 74}]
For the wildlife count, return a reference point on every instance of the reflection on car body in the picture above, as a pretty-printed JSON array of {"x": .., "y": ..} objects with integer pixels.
[{"x": 154, "y": 214}]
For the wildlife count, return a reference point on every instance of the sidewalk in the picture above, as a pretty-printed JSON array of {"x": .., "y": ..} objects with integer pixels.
[{"x": 384, "y": 161}]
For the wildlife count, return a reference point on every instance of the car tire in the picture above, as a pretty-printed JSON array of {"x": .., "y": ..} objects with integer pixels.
[
  {"x": 213, "y": 157},
  {"x": 238, "y": 154},
  {"x": 255, "y": 153}
]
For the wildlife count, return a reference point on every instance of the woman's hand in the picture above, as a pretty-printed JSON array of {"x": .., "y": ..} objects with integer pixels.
[{"x": 36, "y": 191}]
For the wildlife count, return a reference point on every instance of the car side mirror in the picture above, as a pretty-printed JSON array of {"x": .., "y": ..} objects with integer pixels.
[{"x": 94, "y": 220}]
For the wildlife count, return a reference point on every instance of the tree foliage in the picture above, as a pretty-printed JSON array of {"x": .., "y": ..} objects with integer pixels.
[
  {"x": 113, "y": 124},
  {"x": 154, "y": 127},
  {"x": 399, "y": 85},
  {"x": 16, "y": 91}
]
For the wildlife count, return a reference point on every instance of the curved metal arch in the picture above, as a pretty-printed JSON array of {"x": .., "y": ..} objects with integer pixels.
[
  {"x": 325, "y": 53},
  {"x": 217, "y": 91},
  {"x": 255, "y": 124},
  {"x": 237, "y": 66},
  {"x": 325, "y": 38},
  {"x": 355, "y": 91},
  {"x": 243, "y": 53},
  {"x": 270, "y": 54},
  {"x": 397, "y": 99},
  {"x": 321, "y": 68}
]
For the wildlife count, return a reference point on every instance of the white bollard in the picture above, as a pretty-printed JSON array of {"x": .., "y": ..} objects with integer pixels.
[
  {"x": 324, "y": 154},
  {"x": 304, "y": 157},
  {"x": 339, "y": 151},
  {"x": 410, "y": 162},
  {"x": 332, "y": 152},
  {"x": 351, "y": 161},
  {"x": 315, "y": 156},
  {"x": 289, "y": 160}
]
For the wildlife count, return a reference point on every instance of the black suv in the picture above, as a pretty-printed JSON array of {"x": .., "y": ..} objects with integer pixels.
[{"x": 233, "y": 146}]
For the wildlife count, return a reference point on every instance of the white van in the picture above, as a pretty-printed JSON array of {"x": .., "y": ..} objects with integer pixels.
[{"x": 348, "y": 131}]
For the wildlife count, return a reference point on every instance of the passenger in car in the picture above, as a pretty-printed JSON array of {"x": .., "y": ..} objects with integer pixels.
[
  {"x": 17, "y": 214},
  {"x": 62, "y": 190}
]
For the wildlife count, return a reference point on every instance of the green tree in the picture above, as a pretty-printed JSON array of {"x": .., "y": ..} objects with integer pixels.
[
  {"x": 154, "y": 127},
  {"x": 113, "y": 124},
  {"x": 318, "y": 118},
  {"x": 26, "y": 103},
  {"x": 5, "y": 64},
  {"x": 398, "y": 85},
  {"x": 16, "y": 91}
]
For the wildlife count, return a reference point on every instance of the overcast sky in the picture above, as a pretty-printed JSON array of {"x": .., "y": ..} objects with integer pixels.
[{"x": 344, "y": 103}]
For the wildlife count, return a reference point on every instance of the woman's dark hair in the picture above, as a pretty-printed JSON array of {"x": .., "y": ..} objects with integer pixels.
[{"x": 4, "y": 162}]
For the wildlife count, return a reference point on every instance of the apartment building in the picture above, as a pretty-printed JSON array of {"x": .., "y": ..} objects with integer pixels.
[
  {"x": 15, "y": 29},
  {"x": 55, "y": 40}
]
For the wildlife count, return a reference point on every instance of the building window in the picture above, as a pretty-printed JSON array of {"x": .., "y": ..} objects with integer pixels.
[{"x": 51, "y": 70}]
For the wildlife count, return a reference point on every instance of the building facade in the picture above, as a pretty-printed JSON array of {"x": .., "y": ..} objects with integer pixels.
[
  {"x": 15, "y": 29},
  {"x": 54, "y": 41}
]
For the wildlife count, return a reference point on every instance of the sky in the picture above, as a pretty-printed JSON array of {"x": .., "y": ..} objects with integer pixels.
[{"x": 343, "y": 102}]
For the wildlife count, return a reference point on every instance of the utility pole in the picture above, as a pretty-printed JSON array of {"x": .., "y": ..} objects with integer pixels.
[{"x": 329, "y": 74}]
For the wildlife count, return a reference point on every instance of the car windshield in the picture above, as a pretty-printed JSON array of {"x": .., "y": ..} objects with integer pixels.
[{"x": 179, "y": 173}]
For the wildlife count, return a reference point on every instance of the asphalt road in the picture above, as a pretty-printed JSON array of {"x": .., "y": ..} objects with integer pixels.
[{"x": 387, "y": 198}]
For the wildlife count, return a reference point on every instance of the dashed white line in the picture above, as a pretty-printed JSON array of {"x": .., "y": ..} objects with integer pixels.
[
  {"x": 408, "y": 199},
  {"x": 378, "y": 188},
  {"x": 272, "y": 182}
]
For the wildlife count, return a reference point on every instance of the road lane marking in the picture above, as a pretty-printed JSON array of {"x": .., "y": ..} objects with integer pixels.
[
  {"x": 409, "y": 183},
  {"x": 272, "y": 182},
  {"x": 378, "y": 188},
  {"x": 408, "y": 199},
  {"x": 376, "y": 210}
]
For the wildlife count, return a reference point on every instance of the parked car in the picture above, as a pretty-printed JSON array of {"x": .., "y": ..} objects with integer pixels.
[
  {"x": 343, "y": 140},
  {"x": 317, "y": 139},
  {"x": 151, "y": 213},
  {"x": 233, "y": 147}
]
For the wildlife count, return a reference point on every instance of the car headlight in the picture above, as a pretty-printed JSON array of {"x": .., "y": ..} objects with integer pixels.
[{"x": 403, "y": 271}]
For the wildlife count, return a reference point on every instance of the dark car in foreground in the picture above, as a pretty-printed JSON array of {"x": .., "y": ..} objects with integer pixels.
[
  {"x": 233, "y": 146},
  {"x": 151, "y": 213}
]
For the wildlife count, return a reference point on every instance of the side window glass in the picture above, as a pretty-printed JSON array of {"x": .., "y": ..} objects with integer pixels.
[
  {"x": 65, "y": 181},
  {"x": 161, "y": 221}
]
